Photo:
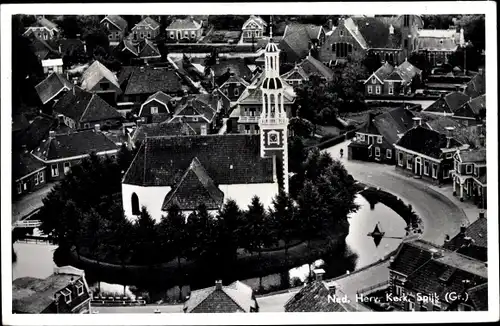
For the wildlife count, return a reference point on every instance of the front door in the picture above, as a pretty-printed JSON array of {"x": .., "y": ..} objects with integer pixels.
[{"x": 418, "y": 164}]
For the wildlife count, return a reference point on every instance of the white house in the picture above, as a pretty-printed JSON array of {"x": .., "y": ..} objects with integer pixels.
[
  {"x": 52, "y": 65},
  {"x": 253, "y": 28}
]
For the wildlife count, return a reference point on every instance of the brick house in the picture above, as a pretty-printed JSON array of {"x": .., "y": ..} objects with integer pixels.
[
  {"x": 188, "y": 29},
  {"x": 469, "y": 176},
  {"x": 52, "y": 88},
  {"x": 59, "y": 152},
  {"x": 157, "y": 107},
  {"x": 233, "y": 87},
  {"x": 148, "y": 28},
  {"x": 391, "y": 81},
  {"x": 116, "y": 28},
  {"x": 43, "y": 29},
  {"x": 420, "y": 268},
  {"x": 235, "y": 297},
  {"x": 28, "y": 173},
  {"x": 253, "y": 29},
  {"x": 99, "y": 79},
  {"x": 471, "y": 241},
  {"x": 79, "y": 109},
  {"x": 200, "y": 111},
  {"x": 305, "y": 69},
  {"x": 375, "y": 140},
  {"x": 65, "y": 291},
  {"x": 427, "y": 154}
]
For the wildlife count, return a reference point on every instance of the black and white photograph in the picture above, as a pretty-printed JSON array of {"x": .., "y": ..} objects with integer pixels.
[{"x": 232, "y": 158}]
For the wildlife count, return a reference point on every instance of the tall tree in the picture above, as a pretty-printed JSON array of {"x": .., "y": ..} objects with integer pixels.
[{"x": 145, "y": 252}]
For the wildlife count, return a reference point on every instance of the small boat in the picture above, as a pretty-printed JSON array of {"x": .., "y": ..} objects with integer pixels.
[{"x": 377, "y": 232}]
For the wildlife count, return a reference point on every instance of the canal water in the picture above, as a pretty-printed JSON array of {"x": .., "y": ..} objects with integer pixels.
[{"x": 36, "y": 260}]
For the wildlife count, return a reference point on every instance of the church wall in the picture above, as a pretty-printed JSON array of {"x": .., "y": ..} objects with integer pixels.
[
  {"x": 243, "y": 193},
  {"x": 151, "y": 197}
]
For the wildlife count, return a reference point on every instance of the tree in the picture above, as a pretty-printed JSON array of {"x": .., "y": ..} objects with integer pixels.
[
  {"x": 296, "y": 154},
  {"x": 371, "y": 62},
  {"x": 124, "y": 157},
  {"x": 70, "y": 26},
  {"x": 474, "y": 29},
  {"x": 202, "y": 233},
  {"x": 300, "y": 127},
  {"x": 145, "y": 252},
  {"x": 438, "y": 21},
  {"x": 419, "y": 60}
]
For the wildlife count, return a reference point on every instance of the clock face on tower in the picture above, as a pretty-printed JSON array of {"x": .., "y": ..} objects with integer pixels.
[{"x": 273, "y": 138}]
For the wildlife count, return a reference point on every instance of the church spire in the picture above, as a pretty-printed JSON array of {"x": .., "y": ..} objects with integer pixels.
[{"x": 271, "y": 28}]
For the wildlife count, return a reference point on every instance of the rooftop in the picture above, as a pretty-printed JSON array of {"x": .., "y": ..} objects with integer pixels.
[
  {"x": 149, "y": 22},
  {"x": 149, "y": 80},
  {"x": 188, "y": 23},
  {"x": 23, "y": 163},
  {"x": 425, "y": 141},
  {"x": 48, "y": 88},
  {"x": 95, "y": 73},
  {"x": 116, "y": 20}
]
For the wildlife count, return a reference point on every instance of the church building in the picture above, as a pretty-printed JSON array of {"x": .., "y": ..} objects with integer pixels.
[{"x": 211, "y": 169}]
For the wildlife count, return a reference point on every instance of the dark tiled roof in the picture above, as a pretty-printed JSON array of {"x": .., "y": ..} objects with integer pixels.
[
  {"x": 312, "y": 30},
  {"x": 236, "y": 297},
  {"x": 449, "y": 103},
  {"x": 149, "y": 49},
  {"x": 312, "y": 66},
  {"x": 124, "y": 74},
  {"x": 44, "y": 22},
  {"x": 436, "y": 44},
  {"x": 23, "y": 163},
  {"x": 425, "y": 141},
  {"x": 394, "y": 122},
  {"x": 314, "y": 298},
  {"x": 83, "y": 106},
  {"x": 478, "y": 104},
  {"x": 384, "y": 71},
  {"x": 161, "y": 97},
  {"x": 440, "y": 123},
  {"x": 118, "y": 21},
  {"x": 236, "y": 66},
  {"x": 474, "y": 156},
  {"x": 43, "y": 49},
  {"x": 197, "y": 105},
  {"x": 479, "y": 297},
  {"x": 36, "y": 132},
  {"x": 228, "y": 159},
  {"x": 296, "y": 42},
  {"x": 51, "y": 86},
  {"x": 68, "y": 46},
  {"x": 149, "y": 80},
  {"x": 376, "y": 33},
  {"x": 195, "y": 188},
  {"x": 162, "y": 129},
  {"x": 369, "y": 126},
  {"x": 476, "y": 86},
  {"x": 74, "y": 144},
  {"x": 408, "y": 71},
  {"x": 478, "y": 233}
]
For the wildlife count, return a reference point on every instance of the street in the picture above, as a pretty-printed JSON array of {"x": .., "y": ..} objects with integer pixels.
[{"x": 29, "y": 202}]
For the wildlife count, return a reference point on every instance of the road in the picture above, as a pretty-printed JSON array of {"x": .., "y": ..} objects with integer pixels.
[{"x": 29, "y": 202}]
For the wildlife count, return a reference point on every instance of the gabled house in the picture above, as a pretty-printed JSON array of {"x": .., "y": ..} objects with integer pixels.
[
  {"x": 391, "y": 81},
  {"x": 28, "y": 173},
  {"x": 144, "y": 81},
  {"x": 159, "y": 130},
  {"x": 157, "y": 107},
  {"x": 235, "y": 297},
  {"x": 148, "y": 28},
  {"x": 473, "y": 112},
  {"x": 44, "y": 49},
  {"x": 233, "y": 87},
  {"x": 471, "y": 241},
  {"x": 223, "y": 68},
  {"x": 199, "y": 111},
  {"x": 42, "y": 29},
  {"x": 130, "y": 51},
  {"x": 253, "y": 29},
  {"x": 65, "y": 291},
  {"x": 421, "y": 268},
  {"x": 52, "y": 88},
  {"x": 469, "y": 176},
  {"x": 59, "y": 152},
  {"x": 188, "y": 29},
  {"x": 80, "y": 109},
  {"x": 116, "y": 28},
  {"x": 305, "y": 69},
  {"x": 375, "y": 140},
  {"x": 447, "y": 104},
  {"x": 426, "y": 153},
  {"x": 99, "y": 79}
]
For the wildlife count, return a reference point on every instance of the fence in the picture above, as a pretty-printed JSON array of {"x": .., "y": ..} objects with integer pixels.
[
  {"x": 37, "y": 240},
  {"x": 27, "y": 224}
]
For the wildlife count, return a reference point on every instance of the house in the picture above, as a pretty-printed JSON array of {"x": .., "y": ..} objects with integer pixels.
[
  {"x": 235, "y": 297},
  {"x": 253, "y": 29},
  {"x": 52, "y": 88},
  {"x": 245, "y": 116},
  {"x": 148, "y": 51},
  {"x": 59, "y": 152},
  {"x": 99, "y": 79},
  {"x": 157, "y": 107},
  {"x": 28, "y": 173},
  {"x": 199, "y": 111},
  {"x": 42, "y": 29},
  {"x": 44, "y": 49},
  {"x": 376, "y": 138},
  {"x": 81, "y": 110},
  {"x": 159, "y": 129},
  {"x": 427, "y": 154},
  {"x": 391, "y": 81},
  {"x": 130, "y": 51},
  {"x": 37, "y": 130},
  {"x": 471, "y": 241},
  {"x": 148, "y": 28},
  {"x": 305, "y": 69},
  {"x": 144, "y": 81},
  {"x": 65, "y": 291},
  {"x": 317, "y": 296},
  {"x": 469, "y": 176},
  {"x": 188, "y": 29},
  {"x": 52, "y": 65},
  {"x": 116, "y": 28},
  {"x": 298, "y": 41},
  {"x": 223, "y": 68},
  {"x": 476, "y": 86},
  {"x": 316, "y": 33},
  {"x": 472, "y": 112},
  {"x": 447, "y": 104},
  {"x": 421, "y": 268},
  {"x": 439, "y": 44},
  {"x": 233, "y": 87}
]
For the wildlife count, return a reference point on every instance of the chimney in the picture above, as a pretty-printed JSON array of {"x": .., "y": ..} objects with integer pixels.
[
  {"x": 417, "y": 121},
  {"x": 462, "y": 37},
  {"x": 463, "y": 228},
  {"x": 74, "y": 88},
  {"x": 52, "y": 134},
  {"x": 139, "y": 122},
  {"x": 97, "y": 127},
  {"x": 218, "y": 285},
  {"x": 60, "y": 117},
  {"x": 333, "y": 288},
  {"x": 436, "y": 253},
  {"x": 318, "y": 273},
  {"x": 449, "y": 135},
  {"x": 391, "y": 29},
  {"x": 330, "y": 24},
  {"x": 481, "y": 214},
  {"x": 467, "y": 241},
  {"x": 446, "y": 238}
]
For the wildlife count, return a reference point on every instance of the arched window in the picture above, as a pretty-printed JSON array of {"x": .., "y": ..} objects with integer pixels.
[
  {"x": 342, "y": 50},
  {"x": 135, "y": 205}
]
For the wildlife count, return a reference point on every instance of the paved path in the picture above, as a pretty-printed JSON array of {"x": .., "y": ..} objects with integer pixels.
[{"x": 29, "y": 202}]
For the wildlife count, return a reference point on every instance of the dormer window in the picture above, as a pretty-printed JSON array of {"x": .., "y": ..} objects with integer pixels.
[
  {"x": 79, "y": 288},
  {"x": 67, "y": 295},
  {"x": 469, "y": 168},
  {"x": 341, "y": 33}
]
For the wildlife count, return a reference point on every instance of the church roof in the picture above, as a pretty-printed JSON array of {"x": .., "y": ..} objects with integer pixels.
[{"x": 227, "y": 159}]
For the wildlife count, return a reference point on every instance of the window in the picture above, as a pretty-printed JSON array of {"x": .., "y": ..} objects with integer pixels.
[
  {"x": 379, "y": 140},
  {"x": 172, "y": 35},
  {"x": 203, "y": 129},
  {"x": 406, "y": 44},
  {"x": 154, "y": 110},
  {"x": 141, "y": 35},
  {"x": 247, "y": 129},
  {"x": 193, "y": 35},
  {"x": 149, "y": 34},
  {"x": 399, "y": 290},
  {"x": 86, "y": 125},
  {"x": 370, "y": 90},
  {"x": 341, "y": 33},
  {"x": 374, "y": 80},
  {"x": 41, "y": 176},
  {"x": 377, "y": 151},
  {"x": 391, "y": 88},
  {"x": 55, "y": 170},
  {"x": 426, "y": 167},
  {"x": 135, "y": 205},
  {"x": 362, "y": 137},
  {"x": 411, "y": 305},
  {"x": 236, "y": 92},
  {"x": 377, "y": 89},
  {"x": 257, "y": 130},
  {"x": 195, "y": 118},
  {"x": 333, "y": 47},
  {"x": 67, "y": 166},
  {"x": 25, "y": 186},
  {"x": 67, "y": 295},
  {"x": 469, "y": 168},
  {"x": 110, "y": 36},
  {"x": 400, "y": 159},
  {"x": 449, "y": 155},
  {"x": 388, "y": 153},
  {"x": 409, "y": 162},
  {"x": 434, "y": 170},
  {"x": 79, "y": 288},
  {"x": 36, "y": 179},
  {"x": 406, "y": 20},
  {"x": 342, "y": 49},
  {"x": 19, "y": 188}
]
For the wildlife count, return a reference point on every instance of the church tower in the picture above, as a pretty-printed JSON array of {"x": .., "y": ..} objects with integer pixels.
[{"x": 273, "y": 122}]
